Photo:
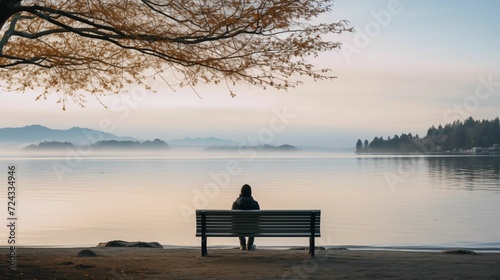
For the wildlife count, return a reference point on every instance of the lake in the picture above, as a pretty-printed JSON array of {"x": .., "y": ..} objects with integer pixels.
[{"x": 417, "y": 202}]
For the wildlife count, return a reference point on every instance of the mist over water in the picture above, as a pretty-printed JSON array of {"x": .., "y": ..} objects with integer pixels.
[{"x": 422, "y": 201}]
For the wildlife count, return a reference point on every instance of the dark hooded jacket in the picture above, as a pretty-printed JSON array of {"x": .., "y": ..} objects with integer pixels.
[{"x": 245, "y": 201}]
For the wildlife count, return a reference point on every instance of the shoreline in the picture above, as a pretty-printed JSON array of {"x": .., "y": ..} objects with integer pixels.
[
  {"x": 397, "y": 248},
  {"x": 153, "y": 263}
]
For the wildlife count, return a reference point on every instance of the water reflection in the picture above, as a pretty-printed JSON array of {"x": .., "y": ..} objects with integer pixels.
[
  {"x": 367, "y": 200},
  {"x": 468, "y": 172}
]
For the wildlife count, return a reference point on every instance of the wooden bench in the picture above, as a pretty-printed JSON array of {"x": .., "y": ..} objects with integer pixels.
[{"x": 258, "y": 223}]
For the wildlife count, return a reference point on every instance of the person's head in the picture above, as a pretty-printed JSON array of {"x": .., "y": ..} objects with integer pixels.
[{"x": 246, "y": 190}]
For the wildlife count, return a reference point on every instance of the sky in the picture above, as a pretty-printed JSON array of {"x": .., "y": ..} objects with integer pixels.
[{"x": 409, "y": 65}]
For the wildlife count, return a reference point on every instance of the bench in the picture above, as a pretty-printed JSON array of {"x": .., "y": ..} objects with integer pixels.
[{"x": 258, "y": 223}]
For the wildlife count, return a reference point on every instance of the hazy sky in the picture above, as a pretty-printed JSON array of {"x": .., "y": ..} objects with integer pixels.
[{"x": 410, "y": 65}]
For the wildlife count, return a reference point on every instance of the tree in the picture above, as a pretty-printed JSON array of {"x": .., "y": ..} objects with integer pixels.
[
  {"x": 405, "y": 138},
  {"x": 359, "y": 145},
  {"x": 97, "y": 47}
]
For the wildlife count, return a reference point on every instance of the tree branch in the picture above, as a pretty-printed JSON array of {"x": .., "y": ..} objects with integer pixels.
[
  {"x": 99, "y": 46},
  {"x": 7, "y": 9}
]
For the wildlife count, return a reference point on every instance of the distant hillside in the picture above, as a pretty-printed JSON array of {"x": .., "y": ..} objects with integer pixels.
[
  {"x": 127, "y": 145},
  {"x": 156, "y": 144},
  {"x": 49, "y": 146},
  {"x": 468, "y": 137},
  {"x": 34, "y": 134}
]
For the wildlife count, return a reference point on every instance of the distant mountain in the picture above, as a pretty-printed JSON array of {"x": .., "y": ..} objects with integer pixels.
[
  {"x": 34, "y": 134},
  {"x": 201, "y": 142},
  {"x": 38, "y": 137}
]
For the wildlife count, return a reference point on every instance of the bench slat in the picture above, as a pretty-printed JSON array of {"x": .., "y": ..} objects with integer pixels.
[
  {"x": 256, "y": 227},
  {"x": 231, "y": 234},
  {"x": 260, "y": 219},
  {"x": 249, "y": 212},
  {"x": 257, "y": 222},
  {"x": 252, "y": 230},
  {"x": 280, "y": 233}
]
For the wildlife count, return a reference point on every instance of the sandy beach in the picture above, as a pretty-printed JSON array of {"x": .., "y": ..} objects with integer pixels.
[{"x": 148, "y": 263}]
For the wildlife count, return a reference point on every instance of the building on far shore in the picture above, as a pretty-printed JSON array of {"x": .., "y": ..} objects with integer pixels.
[{"x": 493, "y": 150}]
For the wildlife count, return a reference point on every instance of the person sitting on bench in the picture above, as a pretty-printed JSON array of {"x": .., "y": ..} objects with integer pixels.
[{"x": 246, "y": 202}]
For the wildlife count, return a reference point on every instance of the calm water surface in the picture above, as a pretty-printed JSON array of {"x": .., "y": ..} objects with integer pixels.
[{"x": 365, "y": 200}]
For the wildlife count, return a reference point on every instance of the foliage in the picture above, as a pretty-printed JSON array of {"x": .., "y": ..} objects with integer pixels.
[
  {"x": 105, "y": 144},
  {"x": 50, "y": 145},
  {"x": 468, "y": 134},
  {"x": 97, "y": 47},
  {"x": 454, "y": 137}
]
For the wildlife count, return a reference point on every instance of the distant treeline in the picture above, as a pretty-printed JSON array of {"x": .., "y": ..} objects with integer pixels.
[
  {"x": 456, "y": 137},
  {"x": 102, "y": 145}
]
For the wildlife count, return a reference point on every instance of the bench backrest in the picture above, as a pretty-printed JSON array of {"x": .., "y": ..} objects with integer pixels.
[{"x": 267, "y": 223}]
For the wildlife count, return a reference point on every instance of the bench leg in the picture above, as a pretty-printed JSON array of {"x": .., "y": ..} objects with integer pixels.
[
  {"x": 203, "y": 233},
  {"x": 311, "y": 246},
  {"x": 313, "y": 232},
  {"x": 204, "y": 246}
]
